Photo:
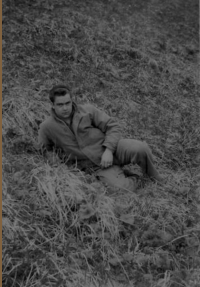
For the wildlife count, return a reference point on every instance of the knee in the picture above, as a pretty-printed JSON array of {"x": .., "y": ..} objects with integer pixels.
[
  {"x": 143, "y": 148},
  {"x": 131, "y": 145},
  {"x": 131, "y": 150}
]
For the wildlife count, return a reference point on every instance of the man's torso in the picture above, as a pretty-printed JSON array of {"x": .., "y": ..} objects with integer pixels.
[{"x": 80, "y": 141}]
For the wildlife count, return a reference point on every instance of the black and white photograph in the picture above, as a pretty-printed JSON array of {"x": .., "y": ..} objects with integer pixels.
[{"x": 100, "y": 143}]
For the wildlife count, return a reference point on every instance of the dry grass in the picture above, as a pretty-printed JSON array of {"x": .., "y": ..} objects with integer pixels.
[{"x": 61, "y": 227}]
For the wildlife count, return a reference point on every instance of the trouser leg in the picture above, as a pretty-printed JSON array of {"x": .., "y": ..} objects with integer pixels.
[
  {"x": 136, "y": 152},
  {"x": 114, "y": 176}
]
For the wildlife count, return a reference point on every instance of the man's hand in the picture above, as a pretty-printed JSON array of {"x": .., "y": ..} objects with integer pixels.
[{"x": 107, "y": 158}]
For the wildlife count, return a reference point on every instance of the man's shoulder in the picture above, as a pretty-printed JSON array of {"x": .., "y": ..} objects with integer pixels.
[
  {"x": 86, "y": 107},
  {"x": 47, "y": 122}
]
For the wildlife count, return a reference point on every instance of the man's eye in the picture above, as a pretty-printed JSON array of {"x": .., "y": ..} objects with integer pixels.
[{"x": 61, "y": 105}]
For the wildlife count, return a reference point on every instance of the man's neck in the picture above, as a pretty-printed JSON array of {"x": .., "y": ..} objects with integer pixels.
[{"x": 68, "y": 120}]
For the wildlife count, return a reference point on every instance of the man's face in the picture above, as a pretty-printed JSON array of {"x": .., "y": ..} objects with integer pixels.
[{"x": 63, "y": 106}]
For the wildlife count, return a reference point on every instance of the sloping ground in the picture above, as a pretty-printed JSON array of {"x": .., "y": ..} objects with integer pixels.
[{"x": 137, "y": 61}]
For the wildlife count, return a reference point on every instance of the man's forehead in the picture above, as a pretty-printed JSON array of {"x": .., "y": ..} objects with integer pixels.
[{"x": 62, "y": 99}]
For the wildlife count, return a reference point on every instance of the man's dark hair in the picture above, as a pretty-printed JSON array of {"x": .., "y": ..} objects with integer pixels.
[{"x": 58, "y": 90}]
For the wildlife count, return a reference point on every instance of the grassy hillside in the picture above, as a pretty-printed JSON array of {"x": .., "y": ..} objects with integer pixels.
[{"x": 137, "y": 60}]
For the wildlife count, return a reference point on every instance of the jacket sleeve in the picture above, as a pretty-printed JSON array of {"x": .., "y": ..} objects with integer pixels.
[
  {"x": 108, "y": 126},
  {"x": 44, "y": 142}
]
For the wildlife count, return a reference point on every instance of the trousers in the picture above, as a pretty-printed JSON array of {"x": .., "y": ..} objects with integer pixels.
[{"x": 129, "y": 151}]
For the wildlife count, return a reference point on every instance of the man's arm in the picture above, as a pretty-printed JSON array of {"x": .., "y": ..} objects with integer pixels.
[
  {"x": 108, "y": 126},
  {"x": 46, "y": 147},
  {"x": 112, "y": 132}
]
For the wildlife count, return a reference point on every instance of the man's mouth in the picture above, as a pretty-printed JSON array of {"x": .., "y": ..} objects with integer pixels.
[{"x": 66, "y": 114}]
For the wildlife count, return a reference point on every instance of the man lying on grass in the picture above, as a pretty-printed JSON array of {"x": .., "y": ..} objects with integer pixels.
[{"x": 88, "y": 135}]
